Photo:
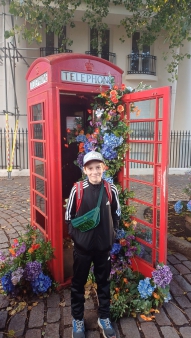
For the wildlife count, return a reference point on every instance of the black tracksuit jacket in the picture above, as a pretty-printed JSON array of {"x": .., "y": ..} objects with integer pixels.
[{"x": 102, "y": 237}]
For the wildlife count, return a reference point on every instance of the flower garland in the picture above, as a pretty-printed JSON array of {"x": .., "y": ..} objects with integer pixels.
[
  {"x": 25, "y": 266},
  {"x": 107, "y": 132}
]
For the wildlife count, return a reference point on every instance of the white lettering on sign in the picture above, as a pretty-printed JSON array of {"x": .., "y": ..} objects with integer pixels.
[
  {"x": 86, "y": 78},
  {"x": 39, "y": 81}
]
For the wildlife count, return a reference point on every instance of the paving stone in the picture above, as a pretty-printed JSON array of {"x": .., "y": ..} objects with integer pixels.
[
  {"x": 183, "y": 302},
  {"x": 33, "y": 333},
  {"x": 53, "y": 315},
  {"x": 188, "y": 295},
  {"x": 188, "y": 277},
  {"x": 169, "y": 332},
  {"x": 182, "y": 282},
  {"x": 53, "y": 300},
  {"x": 1, "y": 335},
  {"x": 4, "y": 245},
  {"x": 129, "y": 328},
  {"x": 17, "y": 322},
  {"x": 175, "y": 289},
  {"x": 92, "y": 334},
  {"x": 182, "y": 269},
  {"x": 188, "y": 312},
  {"x": 36, "y": 318},
  {"x": 188, "y": 264},
  {"x": 150, "y": 330},
  {"x": 180, "y": 256},
  {"x": 3, "y": 239},
  {"x": 52, "y": 331},
  {"x": 66, "y": 316},
  {"x": 3, "y": 318},
  {"x": 176, "y": 315},
  {"x": 90, "y": 318},
  {"x": 173, "y": 270},
  {"x": 161, "y": 318},
  {"x": 173, "y": 260},
  {"x": 68, "y": 333},
  {"x": 4, "y": 301},
  {"x": 67, "y": 297},
  {"x": 185, "y": 332}
]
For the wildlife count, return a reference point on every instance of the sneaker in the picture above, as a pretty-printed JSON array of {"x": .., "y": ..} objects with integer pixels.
[
  {"x": 78, "y": 328},
  {"x": 108, "y": 330}
]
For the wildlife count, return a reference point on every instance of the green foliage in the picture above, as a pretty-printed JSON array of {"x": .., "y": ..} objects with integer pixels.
[{"x": 168, "y": 19}]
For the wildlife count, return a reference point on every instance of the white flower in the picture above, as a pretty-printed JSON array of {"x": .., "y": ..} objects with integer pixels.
[{"x": 99, "y": 112}]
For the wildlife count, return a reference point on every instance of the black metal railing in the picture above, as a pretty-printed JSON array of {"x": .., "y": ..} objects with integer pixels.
[
  {"x": 45, "y": 51},
  {"x": 21, "y": 159},
  {"x": 179, "y": 151},
  {"x": 106, "y": 56},
  {"x": 141, "y": 64}
]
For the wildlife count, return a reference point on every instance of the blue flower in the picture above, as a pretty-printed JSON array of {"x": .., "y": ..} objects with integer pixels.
[
  {"x": 178, "y": 207},
  {"x": 167, "y": 298},
  {"x": 145, "y": 288},
  {"x": 189, "y": 205},
  {"x": 7, "y": 284},
  {"x": 81, "y": 138},
  {"x": 115, "y": 249},
  {"x": 120, "y": 234},
  {"x": 106, "y": 178},
  {"x": 41, "y": 283}
]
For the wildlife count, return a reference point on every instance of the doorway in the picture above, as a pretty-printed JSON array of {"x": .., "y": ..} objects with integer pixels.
[{"x": 72, "y": 107}]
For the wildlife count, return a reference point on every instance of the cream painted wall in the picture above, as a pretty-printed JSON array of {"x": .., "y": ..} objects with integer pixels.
[{"x": 180, "y": 115}]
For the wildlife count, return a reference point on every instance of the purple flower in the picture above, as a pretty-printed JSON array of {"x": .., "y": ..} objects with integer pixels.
[
  {"x": 189, "y": 205},
  {"x": 16, "y": 276},
  {"x": 80, "y": 159},
  {"x": 32, "y": 270},
  {"x": 2, "y": 257},
  {"x": 178, "y": 207},
  {"x": 21, "y": 250},
  {"x": 162, "y": 276},
  {"x": 41, "y": 283}
]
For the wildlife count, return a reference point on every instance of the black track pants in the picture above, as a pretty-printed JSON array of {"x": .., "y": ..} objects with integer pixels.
[{"x": 81, "y": 267}]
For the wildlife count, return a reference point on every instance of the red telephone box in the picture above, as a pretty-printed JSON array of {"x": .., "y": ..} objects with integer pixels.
[{"x": 59, "y": 88}]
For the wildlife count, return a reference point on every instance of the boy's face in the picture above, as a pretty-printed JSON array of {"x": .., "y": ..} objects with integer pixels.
[{"x": 94, "y": 171}]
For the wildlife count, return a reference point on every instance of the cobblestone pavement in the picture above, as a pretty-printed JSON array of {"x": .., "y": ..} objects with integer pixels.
[{"x": 47, "y": 317}]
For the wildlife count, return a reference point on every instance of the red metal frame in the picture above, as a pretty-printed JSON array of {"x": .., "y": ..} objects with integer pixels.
[
  {"x": 158, "y": 247},
  {"x": 46, "y": 92}
]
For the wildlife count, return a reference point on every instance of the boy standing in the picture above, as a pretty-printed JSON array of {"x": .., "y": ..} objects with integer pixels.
[{"x": 93, "y": 246}]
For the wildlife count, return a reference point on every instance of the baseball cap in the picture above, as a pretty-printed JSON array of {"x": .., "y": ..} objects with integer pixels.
[{"x": 93, "y": 156}]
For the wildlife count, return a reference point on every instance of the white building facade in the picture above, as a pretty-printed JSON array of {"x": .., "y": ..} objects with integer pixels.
[{"x": 147, "y": 66}]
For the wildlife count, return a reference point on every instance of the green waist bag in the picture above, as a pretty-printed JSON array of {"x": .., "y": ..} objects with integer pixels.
[{"x": 91, "y": 219}]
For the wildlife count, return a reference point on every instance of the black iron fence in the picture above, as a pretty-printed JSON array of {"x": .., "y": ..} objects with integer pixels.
[
  {"x": 21, "y": 160},
  {"x": 179, "y": 152}
]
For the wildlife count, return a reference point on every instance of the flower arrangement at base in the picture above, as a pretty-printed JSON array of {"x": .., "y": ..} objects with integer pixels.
[
  {"x": 25, "y": 267},
  {"x": 131, "y": 292}
]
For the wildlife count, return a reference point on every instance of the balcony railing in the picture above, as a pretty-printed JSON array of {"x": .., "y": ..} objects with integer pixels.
[
  {"x": 107, "y": 56},
  {"x": 45, "y": 51},
  {"x": 141, "y": 64}
]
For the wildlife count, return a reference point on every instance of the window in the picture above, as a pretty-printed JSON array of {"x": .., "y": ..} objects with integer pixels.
[
  {"x": 94, "y": 42},
  {"x": 61, "y": 38},
  {"x": 140, "y": 59}
]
